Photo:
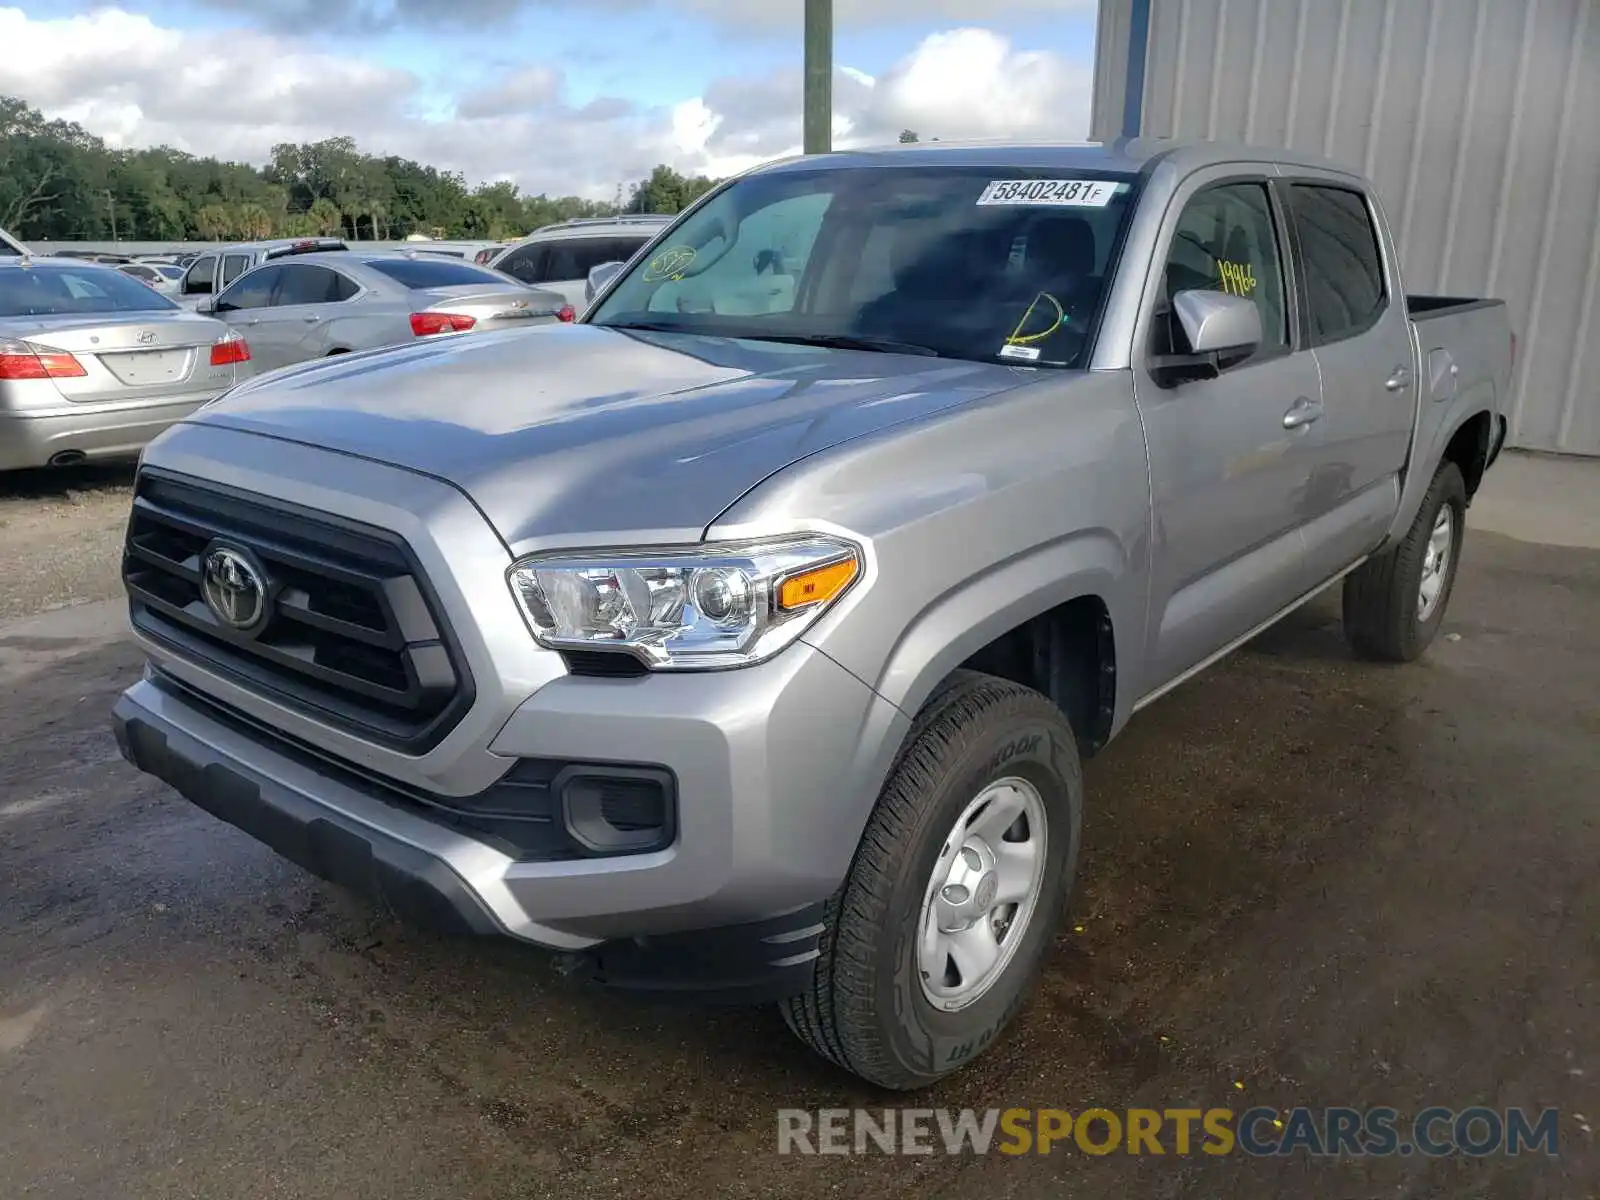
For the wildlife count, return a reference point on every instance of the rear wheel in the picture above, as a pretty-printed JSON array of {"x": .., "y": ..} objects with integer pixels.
[
  {"x": 1394, "y": 603},
  {"x": 956, "y": 890}
]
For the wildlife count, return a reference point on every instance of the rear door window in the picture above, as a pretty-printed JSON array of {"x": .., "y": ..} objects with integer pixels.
[
  {"x": 198, "y": 282},
  {"x": 306, "y": 284},
  {"x": 574, "y": 258},
  {"x": 1343, "y": 286},
  {"x": 526, "y": 263},
  {"x": 233, "y": 266}
]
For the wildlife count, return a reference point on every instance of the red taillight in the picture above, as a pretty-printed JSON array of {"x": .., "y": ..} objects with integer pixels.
[
  {"x": 18, "y": 360},
  {"x": 229, "y": 350},
  {"x": 566, "y": 313},
  {"x": 426, "y": 324}
]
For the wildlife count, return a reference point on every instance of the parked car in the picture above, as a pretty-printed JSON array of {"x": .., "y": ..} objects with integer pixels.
[
  {"x": 314, "y": 305},
  {"x": 560, "y": 257},
  {"x": 747, "y": 634},
  {"x": 10, "y": 247},
  {"x": 93, "y": 364},
  {"x": 488, "y": 254},
  {"x": 163, "y": 277},
  {"x": 208, "y": 273}
]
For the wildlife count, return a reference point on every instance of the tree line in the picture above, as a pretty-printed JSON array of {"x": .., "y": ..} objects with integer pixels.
[{"x": 58, "y": 182}]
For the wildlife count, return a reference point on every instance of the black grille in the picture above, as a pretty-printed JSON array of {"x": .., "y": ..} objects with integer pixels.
[{"x": 350, "y": 635}]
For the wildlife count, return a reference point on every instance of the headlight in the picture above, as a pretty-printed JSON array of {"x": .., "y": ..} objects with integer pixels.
[{"x": 726, "y": 604}]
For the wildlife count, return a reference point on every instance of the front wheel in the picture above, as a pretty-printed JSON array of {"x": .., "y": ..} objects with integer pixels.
[
  {"x": 1394, "y": 602},
  {"x": 956, "y": 889}
]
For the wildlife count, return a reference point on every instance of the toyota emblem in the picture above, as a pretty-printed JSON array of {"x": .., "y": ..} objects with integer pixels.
[{"x": 234, "y": 588}]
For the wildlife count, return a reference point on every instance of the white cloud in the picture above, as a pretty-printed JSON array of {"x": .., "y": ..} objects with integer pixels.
[
  {"x": 134, "y": 82},
  {"x": 861, "y": 13}
]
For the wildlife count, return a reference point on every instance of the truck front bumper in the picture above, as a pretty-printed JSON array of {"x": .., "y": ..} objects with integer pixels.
[{"x": 769, "y": 803}]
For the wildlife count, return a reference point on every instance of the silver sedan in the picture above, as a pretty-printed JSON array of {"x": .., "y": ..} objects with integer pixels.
[
  {"x": 314, "y": 305},
  {"x": 93, "y": 364}
]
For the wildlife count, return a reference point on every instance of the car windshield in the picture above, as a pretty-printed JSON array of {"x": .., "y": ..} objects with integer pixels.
[
  {"x": 988, "y": 263},
  {"x": 49, "y": 291},
  {"x": 435, "y": 272}
]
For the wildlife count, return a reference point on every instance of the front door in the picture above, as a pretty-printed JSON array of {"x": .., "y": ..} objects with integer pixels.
[{"x": 1229, "y": 455}]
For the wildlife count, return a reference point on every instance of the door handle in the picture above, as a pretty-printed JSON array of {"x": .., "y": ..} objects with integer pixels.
[
  {"x": 1302, "y": 413},
  {"x": 253, "y": 321},
  {"x": 1400, "y": 379},
  {"x": 310, "y": 317}
]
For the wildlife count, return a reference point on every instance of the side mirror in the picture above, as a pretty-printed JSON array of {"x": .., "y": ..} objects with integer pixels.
[
  {"x": 1220, "y": 329},
  {"x": 206, "y": 304},
  {"x": 599, "y": 278},
  {"x": 1217, "y": 322}
]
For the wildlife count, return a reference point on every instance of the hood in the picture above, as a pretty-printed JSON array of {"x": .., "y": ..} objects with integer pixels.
[{"x": 567, "y": 433}]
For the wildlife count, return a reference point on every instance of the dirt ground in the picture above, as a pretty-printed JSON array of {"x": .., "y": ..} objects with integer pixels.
[{"x": 1306, "y": 881}]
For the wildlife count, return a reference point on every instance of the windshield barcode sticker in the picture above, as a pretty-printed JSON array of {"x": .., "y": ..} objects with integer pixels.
[{"x": 1061, "y": 193}]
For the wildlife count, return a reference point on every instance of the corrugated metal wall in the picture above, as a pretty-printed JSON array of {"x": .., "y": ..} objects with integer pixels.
[{"x": 1479, "y": 121}]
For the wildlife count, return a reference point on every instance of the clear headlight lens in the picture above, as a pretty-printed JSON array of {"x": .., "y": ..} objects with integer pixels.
[{"x": 696, "y": 607}]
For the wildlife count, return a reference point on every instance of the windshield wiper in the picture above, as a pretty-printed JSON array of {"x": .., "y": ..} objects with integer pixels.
[
  {"x": 834, "y": 341},
  {"x": 845, "y": 341}
]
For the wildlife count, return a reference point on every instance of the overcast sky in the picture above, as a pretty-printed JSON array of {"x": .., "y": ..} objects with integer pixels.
[{"x": 562, "y": 96}]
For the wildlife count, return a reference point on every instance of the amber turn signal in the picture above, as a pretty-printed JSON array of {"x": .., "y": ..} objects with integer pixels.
[{"x": 818, "y": 585}]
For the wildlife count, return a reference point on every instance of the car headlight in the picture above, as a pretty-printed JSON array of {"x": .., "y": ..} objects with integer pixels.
[{"x": 714, "y": 605}]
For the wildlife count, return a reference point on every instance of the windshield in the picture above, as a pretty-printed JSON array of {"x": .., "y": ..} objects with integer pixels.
[
  {"x": 435, "y": 272},
  {"x": 995, "y": 264},
  {"x": 50, "y": 291}
]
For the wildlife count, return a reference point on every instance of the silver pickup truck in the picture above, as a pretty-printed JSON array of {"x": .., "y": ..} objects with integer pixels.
[{"x": 745, "y": 637}]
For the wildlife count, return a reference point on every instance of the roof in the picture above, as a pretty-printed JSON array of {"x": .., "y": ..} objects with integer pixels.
[
  {"x": 1127, "y": 156},
  {"x": 644, "y": 224}
]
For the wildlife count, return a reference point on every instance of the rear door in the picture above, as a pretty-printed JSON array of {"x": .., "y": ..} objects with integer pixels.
[
  {"x": 306, "y": 298},
  {"x": 1230, "y": 455},
  {"x": 1357, "y": 326}
]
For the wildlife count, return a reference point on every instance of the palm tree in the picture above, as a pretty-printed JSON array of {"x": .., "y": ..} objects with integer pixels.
[
  {"x": 326, "y": 217},
  {"x": 213, "y": 222}
]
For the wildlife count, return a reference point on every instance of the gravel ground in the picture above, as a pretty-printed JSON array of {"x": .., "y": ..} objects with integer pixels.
[
  {"x": 59, "y": 536},
  {"x": 1305, "y": 881}
]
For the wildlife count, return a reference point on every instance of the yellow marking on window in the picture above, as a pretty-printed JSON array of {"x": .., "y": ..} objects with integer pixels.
[
  {"x": 1018, "y": 338},
  {"x": 1237, "y": 278}
]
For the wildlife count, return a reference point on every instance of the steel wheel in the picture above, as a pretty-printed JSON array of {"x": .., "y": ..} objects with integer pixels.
[
  {"x": 983, "y": 891},
  {"x": 1436, "y": 562}
]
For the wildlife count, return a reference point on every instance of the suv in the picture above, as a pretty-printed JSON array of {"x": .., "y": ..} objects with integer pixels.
[
  {"x": 560, "y": 257},
  {"x": 216, "y": 269}
]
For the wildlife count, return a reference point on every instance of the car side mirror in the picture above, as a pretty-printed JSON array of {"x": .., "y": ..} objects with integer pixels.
[
  {"x": 206, "y": 304},
  {"x": 1218, "y": 322},
  {"x": 599, "y": 278},
  {"x": 1219, "y": 329}
]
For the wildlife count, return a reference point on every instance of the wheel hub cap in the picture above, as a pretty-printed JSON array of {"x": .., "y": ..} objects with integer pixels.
[
  {"x": 982, "y": 893},
  {"x": 1436, "y": 563}
]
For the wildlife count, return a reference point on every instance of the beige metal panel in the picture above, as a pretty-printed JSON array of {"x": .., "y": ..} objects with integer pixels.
[{"x": 1479, "y": 121}]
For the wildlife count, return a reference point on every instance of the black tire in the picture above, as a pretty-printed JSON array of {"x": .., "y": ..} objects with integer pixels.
[
  {"x": 1380, "y": 596},
  {"x": 867, "y": 1011}
]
